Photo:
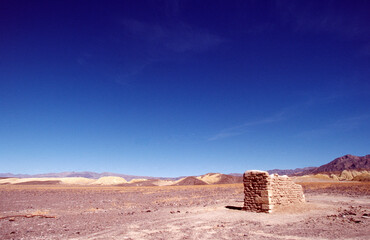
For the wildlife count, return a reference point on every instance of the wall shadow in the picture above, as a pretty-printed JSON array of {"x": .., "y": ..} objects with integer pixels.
[{"x": 234, "y": 208}]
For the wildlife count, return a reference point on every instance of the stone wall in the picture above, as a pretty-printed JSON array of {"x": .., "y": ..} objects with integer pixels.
[{"x": 264, "y": 192}]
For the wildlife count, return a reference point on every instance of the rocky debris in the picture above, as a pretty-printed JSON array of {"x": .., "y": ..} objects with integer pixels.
[
  {"x": 109, "y": 213},
  {"x": 263, "y": 192},
  {"x": 12, "y": 218},
  {"x": 351, "y": 214}
]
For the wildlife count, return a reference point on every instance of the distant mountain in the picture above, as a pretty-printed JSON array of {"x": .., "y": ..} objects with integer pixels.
[
  {"x": 346, "y": 162},
  {"x": 11, "y": 175},
  {"x": 91, "y": 175},
  {"x": 236, "y": 174},
  {"x": 290, "y": 172}
]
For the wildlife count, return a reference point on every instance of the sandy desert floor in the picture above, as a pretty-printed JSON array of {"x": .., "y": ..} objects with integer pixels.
[{"x": 334, "y": 210}]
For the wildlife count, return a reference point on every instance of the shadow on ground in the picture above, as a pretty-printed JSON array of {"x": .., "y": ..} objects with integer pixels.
[{"x": 234, "y": 208}]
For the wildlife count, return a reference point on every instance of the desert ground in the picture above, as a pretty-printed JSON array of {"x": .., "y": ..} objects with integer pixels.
[{"x": 334, "y": 210}]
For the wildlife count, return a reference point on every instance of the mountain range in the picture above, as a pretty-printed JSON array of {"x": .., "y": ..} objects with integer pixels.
[
  {"x": 346, "y": 162},
  {"x": 91, "y": 175}
]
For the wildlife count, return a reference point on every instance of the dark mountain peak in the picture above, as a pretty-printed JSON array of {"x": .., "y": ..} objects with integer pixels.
[
  {"x": 346, "y": 162},
  {"x": 347, "y": 156}
]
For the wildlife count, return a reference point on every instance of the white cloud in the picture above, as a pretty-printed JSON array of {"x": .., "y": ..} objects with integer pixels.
[
  {"x": 340, "y": 125},
  {"x": 179, "y": 37},
  {"x": 243, "y": 128}
]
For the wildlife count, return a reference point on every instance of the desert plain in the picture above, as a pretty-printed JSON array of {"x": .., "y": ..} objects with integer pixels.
[{"x": 333, "y": 210}]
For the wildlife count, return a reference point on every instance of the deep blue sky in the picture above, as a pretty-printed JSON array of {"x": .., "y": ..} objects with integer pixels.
[{"x": 170, "y": 88}]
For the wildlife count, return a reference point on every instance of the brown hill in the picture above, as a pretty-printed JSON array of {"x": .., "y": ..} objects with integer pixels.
[
  {"x": 219, "y": 178},
  {"x": 227, "y": 179},
  {"x": 346, "y": 162},
  {"x": 190, "y": 181}
]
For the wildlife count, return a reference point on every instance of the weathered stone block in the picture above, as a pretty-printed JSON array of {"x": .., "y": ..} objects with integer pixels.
[{"x": 263, "y": 191}]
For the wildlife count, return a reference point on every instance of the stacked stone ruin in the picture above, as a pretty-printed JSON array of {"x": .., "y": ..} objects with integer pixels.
[{"x": 264, "y": 192}]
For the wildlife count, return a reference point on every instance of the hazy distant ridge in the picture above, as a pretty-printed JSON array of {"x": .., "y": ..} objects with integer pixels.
[
  {"x": 297, "y": 171},
  {"x": 346, "y": 162},
  {"x": 91, "y": 175}
]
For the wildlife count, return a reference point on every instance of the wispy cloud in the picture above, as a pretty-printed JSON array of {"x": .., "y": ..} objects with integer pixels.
[
  {"x": 179, "y": 37},
  {"x": 340, "y": 125},
  {"x": 365, "y": 50},
  {"x": 83, "y": 59},
  {"x": 322, "y": 17},
  {"x": 160, "y": 42},
  {"x": 172, "y": 7},
  {"x": 245, "y": 127},
  {"x": 127, "y": 78},
  {"x": 347, "y": 124}
]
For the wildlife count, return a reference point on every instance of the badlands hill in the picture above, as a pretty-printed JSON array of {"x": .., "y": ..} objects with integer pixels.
[
  {"x": 218, "y": 178},
  {"x": 190, "y": 181},
  {"x": 210, "y": 178},
  {"x": 347, "y": 167}
]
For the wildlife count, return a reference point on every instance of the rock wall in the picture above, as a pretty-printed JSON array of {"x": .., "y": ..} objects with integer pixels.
[{"x": 263, "y": 192}]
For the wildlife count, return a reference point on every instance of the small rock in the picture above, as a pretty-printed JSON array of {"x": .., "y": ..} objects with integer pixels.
[{"x": 354, "y": 220}]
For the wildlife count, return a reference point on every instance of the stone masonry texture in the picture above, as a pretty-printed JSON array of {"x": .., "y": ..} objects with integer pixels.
[{"x": 264, "y": 192}]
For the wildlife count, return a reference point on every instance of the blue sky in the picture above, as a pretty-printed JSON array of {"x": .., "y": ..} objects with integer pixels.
[{"x": 171, "y": 88}]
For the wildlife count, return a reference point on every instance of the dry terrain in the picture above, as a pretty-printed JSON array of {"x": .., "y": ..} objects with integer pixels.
[{"x": 334, "y": 210}]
